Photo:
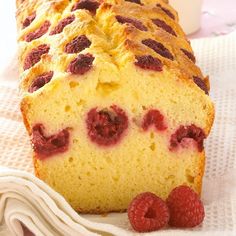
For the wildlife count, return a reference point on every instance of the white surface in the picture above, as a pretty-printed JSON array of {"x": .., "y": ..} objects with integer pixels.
[
  {"x": 217, "y": 57},
  {"x": 7, "y": 31},
  {"x": 189, "y": 14}
]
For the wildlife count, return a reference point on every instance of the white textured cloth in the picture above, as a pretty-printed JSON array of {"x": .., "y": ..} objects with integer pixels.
[
  {"x": 27, "y": 199},
  {"x": 24, "y": 198}
]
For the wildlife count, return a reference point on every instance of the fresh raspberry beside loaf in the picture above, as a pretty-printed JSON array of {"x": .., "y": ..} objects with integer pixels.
[{"x": 112, "y": 100}]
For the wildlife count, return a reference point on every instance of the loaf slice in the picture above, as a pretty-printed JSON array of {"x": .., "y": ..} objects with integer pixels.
[{"x": 112, "y": 100}]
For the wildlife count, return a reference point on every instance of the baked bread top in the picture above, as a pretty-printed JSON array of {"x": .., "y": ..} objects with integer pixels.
[{"x": 119, "y": 31}]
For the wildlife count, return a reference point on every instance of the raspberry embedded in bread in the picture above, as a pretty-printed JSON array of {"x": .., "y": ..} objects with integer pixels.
[
  {"x": 107, "y": 126},
  {"x": 46, "y": 146},
  {"x": 162, "y": 24},
  {"x": 39, "y": 32},
  {"x": 158, "y": 48},
  {"x": 134, "y": 1},
  {"x": 28, "y": 20},
  {"x": 136, "y": 23},
  {"x": 153, "y": 118},
  {"x": 40, "y": 81},
  {"x": 183, "y": 133},
  {"x": 189, "y": 55},
  {"x": 81, "y": 64},
  {"x": 148, "y": 62},
  {"x": 78, "y": 44},
  {"x": 34, "y": 56},
  {"x": 90, "y": 5},
  {"x": 200, "y": 83},
  {"x": 62, "y": 24},
  {"x": 168, "y": 12}
]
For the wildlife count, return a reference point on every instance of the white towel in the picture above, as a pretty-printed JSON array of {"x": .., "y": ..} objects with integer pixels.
[{"x": 24, "y": 199}]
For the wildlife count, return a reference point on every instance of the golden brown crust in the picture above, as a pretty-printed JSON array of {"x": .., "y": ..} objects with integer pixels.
[
  {"x": 151, "y": 11},
  {"x": 24, "y": 107},
  {"x": 198, "y": 179}
]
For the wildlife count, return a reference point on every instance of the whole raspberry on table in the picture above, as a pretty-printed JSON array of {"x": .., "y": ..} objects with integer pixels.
[
  {"x": 147, "y": 212},
  {"x": 185, "y": 207}
]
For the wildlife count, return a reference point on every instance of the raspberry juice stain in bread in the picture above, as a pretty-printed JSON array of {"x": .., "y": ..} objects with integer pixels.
[
  {"x": 46, "y": 146},
  {"x": 105, "y": 127},
  {"x": 153, "y": 117},
  {"x": 112, "y": 99},
  {"x": 40, "y": 81}
]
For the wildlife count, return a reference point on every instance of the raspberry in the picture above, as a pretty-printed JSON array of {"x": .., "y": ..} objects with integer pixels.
[
  {"x": 158, "y": 48},
  {"x": 105, "y": 127},
  {"x": 147, "y": 212},
  {"x": 89, "y": 5},
  {"x": 39, "y": 32},
  {"x": 136, "y": 23},
  {"x": 200, "y": 83},
  {"x": 189, "y": 55},
  {"x": 81, "y": 64},
  {"x": 134, "y": 1},
  {"x": 148, "y": 62},
  {"x": 40, "y": 81},
  {"x": 46, "y": 146},
  {"x": 35, "y": 55},
  {"x": 188, "y": 132},
  {"x": 62, "y": 24},
  {"x": 28, "y": 20},
  {"x": 162, "y": 24},
  {"x": 153, "y": 117},
  {"x": 78, "y": 44},
  {"x": 186, "y": 208},
  {"x": 170, "y": 14}
]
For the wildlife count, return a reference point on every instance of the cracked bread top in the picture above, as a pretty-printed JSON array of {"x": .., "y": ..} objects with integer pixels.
[{"x": 115, "y": 32}]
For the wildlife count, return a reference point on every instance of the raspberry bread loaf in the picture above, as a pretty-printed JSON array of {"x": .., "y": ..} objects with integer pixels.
[{"x": 112, "y": 100}]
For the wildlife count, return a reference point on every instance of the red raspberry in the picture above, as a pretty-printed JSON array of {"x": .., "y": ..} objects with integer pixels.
[
  {"x": 170, "y": 14},
  {"x": 148, "y": 62},
  {"x": 106, "y": 127},
  {"x": 78, "y": 44},
  {"x": 81, "y": 64},
  {"x": 46, "y": 146},
  {"x": 28, "y": 20},
  {"x": 189, "y": 55},
  {"x": 136, "y": 23},
  {"x": 39, "y": 32},
  {"x": 186, "y": 208},
  {"x": 184, "y": 133},
  {"x": 158, "y": 48},
  {"x": 62, "y": 24},
  {"x": 134, "y": 1},
  {"x": 201, "y": 84},
  {"x": 40, "y": 81},
  {"x": 147, "y": 212},
  {"x": 89, "y": 5},
  {"x": 155, "y": 118},
  {"x": 35, "y": 55},
  {"x": 162, "y": 24}
]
